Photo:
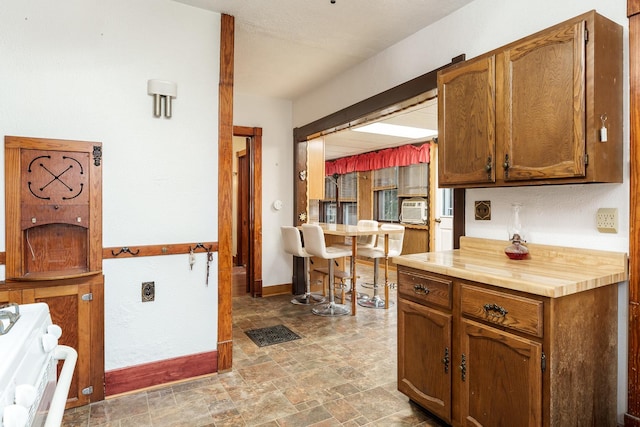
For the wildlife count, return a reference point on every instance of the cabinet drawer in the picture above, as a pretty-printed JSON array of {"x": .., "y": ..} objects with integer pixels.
[
  {"x": 512, "y": 311},
  {"x": 422, "y": 289}
]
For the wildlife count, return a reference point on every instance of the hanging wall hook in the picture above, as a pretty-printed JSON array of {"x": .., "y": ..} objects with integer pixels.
[
  {"x": 125, "y": 250},
  {"x": 200, "y": 246}
]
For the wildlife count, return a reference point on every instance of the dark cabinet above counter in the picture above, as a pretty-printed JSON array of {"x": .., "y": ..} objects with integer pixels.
[{"x": 546, "y": 109}]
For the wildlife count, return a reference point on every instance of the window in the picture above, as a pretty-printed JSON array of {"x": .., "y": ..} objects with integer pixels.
[
  {"x": 328, "y": 213},
  {"x": 385, "y": 194},
  {"x": 413, "y": 180},
  {"x": 349, "y": 213},
  {"x": 447, "y": 202},
  {"x": 348, "y": 185},
  {"x": 386, "y": 203},
  {"x": 345, "y": 189}
]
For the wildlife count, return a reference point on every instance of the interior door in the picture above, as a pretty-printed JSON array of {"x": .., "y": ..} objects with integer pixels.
[
  {"x": 444, "y": 219},
  {"x": 242, "y": 219}
]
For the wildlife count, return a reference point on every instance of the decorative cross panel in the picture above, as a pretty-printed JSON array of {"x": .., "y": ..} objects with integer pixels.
[{"x": 54, "y": 187}]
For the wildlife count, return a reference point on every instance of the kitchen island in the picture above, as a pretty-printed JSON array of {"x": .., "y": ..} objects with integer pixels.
[{"x": 485, "y": 340}]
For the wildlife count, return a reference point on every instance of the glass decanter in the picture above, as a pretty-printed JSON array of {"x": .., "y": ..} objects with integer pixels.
[{"x": 517, "y": 248}]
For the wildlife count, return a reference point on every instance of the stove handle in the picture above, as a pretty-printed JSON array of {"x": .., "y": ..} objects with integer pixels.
[{"x": 59, "y": 400}]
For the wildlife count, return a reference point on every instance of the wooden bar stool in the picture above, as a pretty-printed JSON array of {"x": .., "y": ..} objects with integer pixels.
[
  {"x": 293, "y": 246},
  {"x": 377, "y": 253},
  {"x": 316, "y": 246}
]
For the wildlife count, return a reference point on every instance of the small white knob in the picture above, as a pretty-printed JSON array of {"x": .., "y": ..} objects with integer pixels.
[
  {"x": 15, "y": 416},
  {"x": 25, "y": 395},
  {"x": 54, "y": 330},
  {"x": 49, "y": 342}
]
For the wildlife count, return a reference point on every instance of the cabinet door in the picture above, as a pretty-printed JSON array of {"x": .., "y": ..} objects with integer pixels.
[
  {"x": 466, "y": 123},
  {"x": 501, "y": 378},
  {"x": 424, "y": 364},
  {"x": 541, "y": 106},
  {"x": 81, "y": 322}
]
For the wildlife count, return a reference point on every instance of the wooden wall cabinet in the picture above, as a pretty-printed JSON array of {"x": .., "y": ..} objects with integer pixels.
[
  {"x": 315, "y": 169},
  {"x": 531, "y": 112},
  {"x": 461, "y": 358},
  {"x": 53, "y": 202}
]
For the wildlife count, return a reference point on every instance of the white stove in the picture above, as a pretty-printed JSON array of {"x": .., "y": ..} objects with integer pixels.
[{"x": 30, "y": 394}]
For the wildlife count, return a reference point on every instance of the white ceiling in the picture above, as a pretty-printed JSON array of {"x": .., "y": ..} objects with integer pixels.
[{"x": 285, "y": 48}]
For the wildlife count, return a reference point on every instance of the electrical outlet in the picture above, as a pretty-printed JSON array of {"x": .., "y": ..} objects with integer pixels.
[
  {"x": 148, "y": 291},
  {"x": 607, "y": 220}
]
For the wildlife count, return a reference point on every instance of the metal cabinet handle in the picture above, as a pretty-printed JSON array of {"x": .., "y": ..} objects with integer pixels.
[
  {"x": 494, "y": 310},
  {"x": 421, "y": 289},
  {"x": 488, "y": 167},
  {"x": 506, "y": 165},
  {"x": 445, "y": 360}
]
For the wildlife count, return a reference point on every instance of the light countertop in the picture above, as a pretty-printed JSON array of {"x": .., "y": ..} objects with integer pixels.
[{"x": 551, "y": 271}]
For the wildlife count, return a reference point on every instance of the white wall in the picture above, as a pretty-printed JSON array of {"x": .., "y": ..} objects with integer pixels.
[
  {"x": 78, "y": 69},
  {"x": 274, "y": 117},
  {"x": 557, "y": 215}
]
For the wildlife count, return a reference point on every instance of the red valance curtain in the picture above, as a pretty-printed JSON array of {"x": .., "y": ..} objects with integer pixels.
[{"x": 404, "y": 155}]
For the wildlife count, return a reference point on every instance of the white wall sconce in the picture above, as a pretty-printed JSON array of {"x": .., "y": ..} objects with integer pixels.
[{"x": 162, "y": 91}]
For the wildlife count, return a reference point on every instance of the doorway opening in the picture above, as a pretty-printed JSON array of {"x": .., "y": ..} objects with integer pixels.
[
  {"x": 402, "y": 98},
  {"x": 247, "y": 211}
]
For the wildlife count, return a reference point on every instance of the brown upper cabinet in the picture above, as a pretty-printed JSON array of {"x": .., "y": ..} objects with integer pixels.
[{"x": 533, "y": 112}]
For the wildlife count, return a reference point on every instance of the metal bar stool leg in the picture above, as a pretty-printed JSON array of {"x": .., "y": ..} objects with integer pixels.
[
  {"x": 375, "y": 301},
  {"x": 330, "y": 308},
  {"x": 307, "y": 298}
]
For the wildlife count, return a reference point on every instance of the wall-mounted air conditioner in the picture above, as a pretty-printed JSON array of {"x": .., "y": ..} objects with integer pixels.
[{"x": 414, "y": 211}]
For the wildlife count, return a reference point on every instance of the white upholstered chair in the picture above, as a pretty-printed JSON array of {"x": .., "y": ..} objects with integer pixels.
[
  {"x": 315, "y": 245},
  {"x": 293, "y": 245}
]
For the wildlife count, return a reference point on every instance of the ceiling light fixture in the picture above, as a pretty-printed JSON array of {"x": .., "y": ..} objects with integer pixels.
[{"x": 396, "y": 130}]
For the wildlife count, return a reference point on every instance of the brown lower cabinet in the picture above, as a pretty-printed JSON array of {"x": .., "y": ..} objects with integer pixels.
[
  {"x": 478, "y": 355},
  {"x": 76, "y": 305}
]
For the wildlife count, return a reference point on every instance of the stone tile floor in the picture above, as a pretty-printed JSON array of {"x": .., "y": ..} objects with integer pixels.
[{"x": 342, "y": 372}]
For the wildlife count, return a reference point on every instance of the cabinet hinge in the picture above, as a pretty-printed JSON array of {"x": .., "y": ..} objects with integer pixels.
[
  {"x": 88, "y": 390},
  {"x": 586, "y": 35},
  {"x": 586, "y": 160},
  {"x": 543, "y": 362},
  {"x": 87, "y": 297}
]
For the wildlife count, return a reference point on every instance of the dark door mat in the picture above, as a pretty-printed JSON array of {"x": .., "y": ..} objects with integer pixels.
[{"x": 271, "y": 335}]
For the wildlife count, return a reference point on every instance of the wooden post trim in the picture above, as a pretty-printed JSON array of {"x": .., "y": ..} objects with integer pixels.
[{"x": 225, "y": 203}]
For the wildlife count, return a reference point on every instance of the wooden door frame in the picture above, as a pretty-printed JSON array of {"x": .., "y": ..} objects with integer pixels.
[
  {"x": 254, "y": 153},
  {"x": 632, "y": 417}
]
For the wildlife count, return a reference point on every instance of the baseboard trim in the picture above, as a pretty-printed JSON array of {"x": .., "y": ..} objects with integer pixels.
[
  {"x": 151, "y": 374},
  {"x": 268, "y": 291}
]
